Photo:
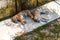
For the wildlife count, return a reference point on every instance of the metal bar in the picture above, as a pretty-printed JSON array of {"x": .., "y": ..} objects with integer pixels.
[{"x": 16, "y": 5}]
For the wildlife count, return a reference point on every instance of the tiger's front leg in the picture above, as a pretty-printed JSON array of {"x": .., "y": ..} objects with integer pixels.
[
  {"x": 21, "y": 19},
  {"x": 14, "y": 19},
  {"x": 18, "y": 17},
  {"x": 29, "y": 13},
  {"x": 35, "y": 15}
]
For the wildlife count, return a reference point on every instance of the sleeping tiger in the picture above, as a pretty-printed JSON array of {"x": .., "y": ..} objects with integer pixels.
[{"x": 21, "y": 15}]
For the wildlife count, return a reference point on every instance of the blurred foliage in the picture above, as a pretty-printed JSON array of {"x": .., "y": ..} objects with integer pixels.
[
  {"x": 8, "y": 10},
  {"x": 15, "y": 6}
]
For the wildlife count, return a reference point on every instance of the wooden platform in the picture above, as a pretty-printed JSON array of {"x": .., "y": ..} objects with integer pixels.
[
  {"x": 8, "y": 29},
  {"x": 57, "y": 1}
]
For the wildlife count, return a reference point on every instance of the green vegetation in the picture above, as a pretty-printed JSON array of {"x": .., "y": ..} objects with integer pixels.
[
  {"x": 7, "y": 11},
  {"x": 14, "y": 6}
]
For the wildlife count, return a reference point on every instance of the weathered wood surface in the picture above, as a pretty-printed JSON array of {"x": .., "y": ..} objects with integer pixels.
[
  {"x": 57, "y": 1},
  {"x": 9, "y": 29}
]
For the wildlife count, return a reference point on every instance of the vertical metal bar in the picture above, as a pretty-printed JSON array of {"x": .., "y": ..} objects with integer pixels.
[
  {"x": 16, "y": 6},
  {"x": 37, "y": 2}
]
